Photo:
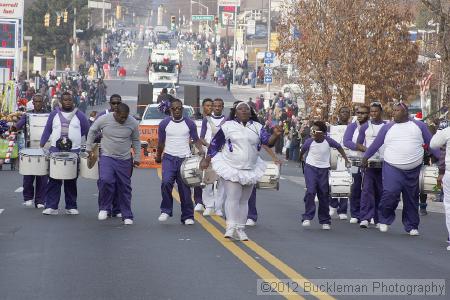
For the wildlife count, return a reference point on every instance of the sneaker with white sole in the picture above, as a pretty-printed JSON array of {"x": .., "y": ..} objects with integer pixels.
[
  {"x": 72, "y": 211},
  {"x": 199, "y": 207},
  {"x": 448, "y": 248},
  {"x": 128, "y": 222},
  {"x": 230, "y": 233},
  {"x": 40, "y": 206},
  {"x": 414, "y": 232},
  {"x": 242, "y": 236},
  {"x": 102, "y": 215},
  {"x": 353, "y": 220},
  {"x": 332, "y": 211},
  {"x": 342, "y": 216},
  {"x": 364, "y": 224},
  {"x": 28, "y": 203},
  {"x": 306, "y": 223},
  {"x": 384, "y": 227},
  {"x": 219, "y": 213},
  {"x": 189, "y": 222},
  {"x": 208, "y": 211},
  {"x": 326, "y": 226},
  {"x": 50, "y": 211},
  {"x": 163, "y": 217},
  {"x": 250, "y": 222},
  {"x": 119, "y": 215}
]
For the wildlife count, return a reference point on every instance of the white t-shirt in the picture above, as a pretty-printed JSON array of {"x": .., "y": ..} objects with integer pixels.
[{"x": 176, "y": 136}]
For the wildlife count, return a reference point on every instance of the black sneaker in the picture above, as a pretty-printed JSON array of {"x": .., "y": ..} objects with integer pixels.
[{"x": 423, "y": 212}]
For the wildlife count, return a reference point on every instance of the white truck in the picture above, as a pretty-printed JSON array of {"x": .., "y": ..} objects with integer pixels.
[{"x": 165, "y": 63}]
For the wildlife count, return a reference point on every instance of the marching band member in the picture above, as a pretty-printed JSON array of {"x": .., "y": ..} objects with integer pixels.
[
  {"x": 317, "y": 165},
  {"x": 29, "y": 191},
  {"x": 439, "y": 140},
  {"x": 174, "y": 134},
  {"x": 120, "y": 132},
  {"x": 350, "y": 136},
  {"x": 340, "y": 205},
  {"x": 403, "y": 141},
  {"x": 238, "y": 163},
  {"x": 210, "y": 125},
  {"x": 207, "y": 105},
  {"x": 64, "y": 123},
  {"x": 114, "y": 102},
  {"x": 372, "y": 186}
]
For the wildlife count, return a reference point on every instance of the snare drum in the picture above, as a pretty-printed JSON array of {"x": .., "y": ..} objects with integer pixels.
[
  {"x": 63, "y": 165},
  {"x": 271, "y": 177},
  {"x": 334, "y": 156},
  {"x": 85, "y": 172},
  {"x": 340, "y": 184},
  {"x": 35, "y": 128},
  {"x": 190, "y": 171},
  {"x": 33, "y": 162},
  {"x": 428, "y": 180}
]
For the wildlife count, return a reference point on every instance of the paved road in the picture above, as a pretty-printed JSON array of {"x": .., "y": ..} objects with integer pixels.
[{"x": 78, "y": 257}]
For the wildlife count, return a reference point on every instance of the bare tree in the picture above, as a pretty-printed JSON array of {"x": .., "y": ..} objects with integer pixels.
[{"x": 343, "y": 42}]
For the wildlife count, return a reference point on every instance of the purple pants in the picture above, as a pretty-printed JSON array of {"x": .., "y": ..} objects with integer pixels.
[
  {"x": 252, "y": 212},
  {"x": 30, "y": 193},
  {"x": 340, "y": 203},
  {"x": 53, "y": 193},
  {"x": 198, "y": 195},
  {"x": 406, "y": 182},
  {"x": 355, "y": 198},
  {"x": 371, "y": 194},
  {"x": 171, "y": 173},
  {"x": 115, "y": 205},
  {"x": 115, "y": 182},
  {"x": 316, "y": 180}
]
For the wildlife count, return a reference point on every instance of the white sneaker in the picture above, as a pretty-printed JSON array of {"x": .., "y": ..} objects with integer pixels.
[
  {"x": 384, "y": 227},
  {"x": 208, "y": 211},
  {"x": 364, "y": 224},
  {"x": 342, "y": 216},
  {"x": 242, "y": 236},
  {"x": 189, "y": 222},
  {"x": 219, "y": 213},
  {"x": 72, "y": 211},
  {"x": 128, "y": 222},
  {"x": 28, "y": 203},
  {"x": 326, "y": 226},
  {"x": 163, "y": 217},
  {"x": 199, "y": 207},
  {"x": 353, "y": 220},
  {"x": 332, "y": 211},
  {"x": 119, "y": 215},
  {"x": 102, "y": 215},
  {"x": 448, "y": 248},
  {"x": 230, "y": 233},
  {"x": 40, "y": 206},
  {"x": 306, "y": 223},
  {"x": 414, "y": 232},
  {"x": 250, "y": 222},
  {"x": 50, "y": 211}
]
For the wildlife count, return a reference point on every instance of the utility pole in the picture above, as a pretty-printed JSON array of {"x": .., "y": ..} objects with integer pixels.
[
  {"x": 103, "y": 27},
  {"x": 28, "y": 39},
  {"x": 234, "y": 44},
  {"x": 74, "y": 37}
]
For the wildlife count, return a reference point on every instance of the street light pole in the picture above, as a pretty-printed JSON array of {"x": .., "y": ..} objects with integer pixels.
[
  {"x": 28, "y": 39},
  {"x": 103, "y": 27},
  {"x": 269, "y": 27},
  {"x": 234, "y": 45},
  {"x": 74, "y": 37}
]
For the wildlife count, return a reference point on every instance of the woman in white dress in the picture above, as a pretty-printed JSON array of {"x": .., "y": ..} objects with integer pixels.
[{"x": 238, "y": 164}]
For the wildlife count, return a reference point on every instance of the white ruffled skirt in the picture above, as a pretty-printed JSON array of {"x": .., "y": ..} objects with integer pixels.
[{"x": 244, "y": 177}]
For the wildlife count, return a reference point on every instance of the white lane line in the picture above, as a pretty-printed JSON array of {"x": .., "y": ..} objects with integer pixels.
[{"x": 1, "y": 210}]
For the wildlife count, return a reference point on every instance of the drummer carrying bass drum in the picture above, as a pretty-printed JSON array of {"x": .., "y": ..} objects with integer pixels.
[
  {"x": 29, "y": 191},
  {"x": 65, "y": 127}
]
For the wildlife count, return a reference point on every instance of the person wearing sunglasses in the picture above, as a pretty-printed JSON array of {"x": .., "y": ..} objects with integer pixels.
[
  {"x": 234, "y": 154},
  {"x": 317, "y": 165},
  {"x": 403, "y": 141},
  {"x": 372, "y": 186},
  {"x": 174, "y": 136},
  {"x": 340, "y": 205},
  {"x": 350, "y": 137},
  {"x": 114, "y": 102}
]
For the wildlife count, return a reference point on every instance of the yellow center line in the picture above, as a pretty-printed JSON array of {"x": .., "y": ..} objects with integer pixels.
[{"x": 243, "y": 256}]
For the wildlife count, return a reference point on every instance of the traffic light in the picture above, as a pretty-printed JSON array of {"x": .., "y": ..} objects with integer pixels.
[
  {"x": 172, "y": 22},
  {"x": 58, "y": 20},
  {"x": 66, "y": 16},
  {"x": 47, "y": 20},
  {"x": 118, "y": 12}
]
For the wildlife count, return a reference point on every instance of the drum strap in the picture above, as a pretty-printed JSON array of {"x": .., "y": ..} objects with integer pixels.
[
  {"x": 65, "y": 122},
  {"x": 214, "y": 128}
]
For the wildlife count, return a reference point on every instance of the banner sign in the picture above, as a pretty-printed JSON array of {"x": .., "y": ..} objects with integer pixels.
[
  {"x": 11, "y": 9},
  {"x": 149, "y": 145}
]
